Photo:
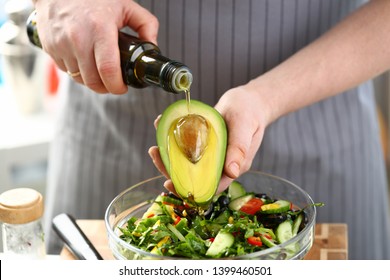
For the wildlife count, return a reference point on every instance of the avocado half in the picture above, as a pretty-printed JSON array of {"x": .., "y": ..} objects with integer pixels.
[{"x": 195, "y": 169}]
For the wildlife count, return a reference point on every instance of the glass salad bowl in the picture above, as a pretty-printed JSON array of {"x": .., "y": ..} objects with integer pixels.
[{"x": 135, "y": 201}]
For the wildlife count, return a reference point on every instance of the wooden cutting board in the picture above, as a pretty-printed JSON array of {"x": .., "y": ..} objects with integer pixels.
[{"x": 330, "y": 242}]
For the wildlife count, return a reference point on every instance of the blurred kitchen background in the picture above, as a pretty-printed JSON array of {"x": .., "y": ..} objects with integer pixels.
[{"x": 29, "y": 85}]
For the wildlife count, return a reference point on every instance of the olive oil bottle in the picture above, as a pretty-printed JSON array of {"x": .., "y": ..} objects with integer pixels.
[{"x": 142, "y": 63}]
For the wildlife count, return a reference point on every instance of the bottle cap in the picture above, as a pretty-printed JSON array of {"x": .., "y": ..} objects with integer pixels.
[{"x": 20, "y": 205}]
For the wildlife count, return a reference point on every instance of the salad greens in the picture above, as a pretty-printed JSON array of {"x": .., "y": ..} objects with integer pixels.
[{"x": 236, "y": 223}]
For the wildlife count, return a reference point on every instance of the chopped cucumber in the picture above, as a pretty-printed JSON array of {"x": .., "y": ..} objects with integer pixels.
[
  {"x": 152, "y": 220},
  {"x": 267, "y": 231},
  {"x": 154, "y": 209},
  {"x": 176, "y": 232},
  {"x": 236, "y": 190},
  {"x": 213, "y": 229},
  {"x": 279, "y": 206},
  {"x": 237, "y": 203},
  {"x": 284, "y": 231},
  {"x": 223, "y": 218},
  {"x": 222, "y": 241},
  {"x": 171, "y": 200},
  {"x": 267, "y": 242},
  {"x": 168, "y": 209},
  {"x": 182, "y": 226},
  {"x": 296, "y": 224}
]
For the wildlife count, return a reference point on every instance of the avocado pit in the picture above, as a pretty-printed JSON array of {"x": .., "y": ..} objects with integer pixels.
[{"x": 191, "y": 135}]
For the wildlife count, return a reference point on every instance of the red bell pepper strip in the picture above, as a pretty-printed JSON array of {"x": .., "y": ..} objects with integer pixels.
[{"x": 177, "y": 220}]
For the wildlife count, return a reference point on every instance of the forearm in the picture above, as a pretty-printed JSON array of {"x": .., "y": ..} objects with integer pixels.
[{"x": 352, "y": 52}]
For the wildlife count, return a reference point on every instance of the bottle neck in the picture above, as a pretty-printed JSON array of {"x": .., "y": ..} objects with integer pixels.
[{"x": 153, "y": 68}]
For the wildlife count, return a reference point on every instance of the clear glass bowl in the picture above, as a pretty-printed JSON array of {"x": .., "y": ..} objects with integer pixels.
[{"x": 135, "y": 200}]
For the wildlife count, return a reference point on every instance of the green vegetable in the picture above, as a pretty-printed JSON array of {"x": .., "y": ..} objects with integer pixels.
[
  {"x": 267, "y": 241},
  {"x": 236, "y": 190},
  {"x": 284, "y": 231},
  {"x": 171, "y": 200},
  {"x": 182, "y": 226},
  {"x": 188, "y": 156},
  {"x": 170, "y": 228},
  {"x": 237, "y": 203},
  {"x": 279, "y": 206},
  {"x": 222, "y": 242},
  {"x": 296, "y": 224}
]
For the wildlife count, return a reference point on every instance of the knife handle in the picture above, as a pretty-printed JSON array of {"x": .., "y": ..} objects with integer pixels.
[{"x": 74, "y": 238}]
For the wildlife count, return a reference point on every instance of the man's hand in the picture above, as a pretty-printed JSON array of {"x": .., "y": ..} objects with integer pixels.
[
  {"x": 246, "y": 118},
  {"x": 82, "y": 36}
]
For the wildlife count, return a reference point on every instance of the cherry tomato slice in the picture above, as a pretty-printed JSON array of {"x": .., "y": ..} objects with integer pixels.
[
  {"x": 252, "y": 206},
  {"x": 255, "y": 241}
]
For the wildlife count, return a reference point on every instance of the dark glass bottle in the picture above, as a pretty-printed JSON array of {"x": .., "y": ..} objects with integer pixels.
[{"x": 141, "y": 62}]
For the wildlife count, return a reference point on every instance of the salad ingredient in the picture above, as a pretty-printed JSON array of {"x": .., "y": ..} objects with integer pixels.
[
  {"x": 171, "y": 200},
  {"x": 220, "y": 244},
  {"x": 284, "y": 231},
  {"x": 279, "y": 206},
  {"x": 267, "y": 240},
  {"x": 237, "y": 203},
  {"x": 192, "y": 142},
  {"x": 236, "y": 190},
  {"x": 221, "y": 231},
  {"x": 255, "y": 241},
  {"x": 272, "y": 220},
  {"x": 157, "y": 249},
  {"x": 252, "y": 206},
  {"x": 154, "y": 209},
  {"x": 297, "y": 224}
]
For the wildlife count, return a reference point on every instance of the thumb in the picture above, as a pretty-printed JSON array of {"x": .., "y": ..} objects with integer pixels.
[
  {"x": 142, "y": 21},
  {"x": 237, "y": 150}
]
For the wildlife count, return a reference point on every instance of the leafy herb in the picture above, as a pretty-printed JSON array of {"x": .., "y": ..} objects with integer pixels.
[{"x": 175, "y": 230}]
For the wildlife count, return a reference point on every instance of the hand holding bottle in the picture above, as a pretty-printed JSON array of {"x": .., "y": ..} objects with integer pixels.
[{"x": 82, "y": 37}]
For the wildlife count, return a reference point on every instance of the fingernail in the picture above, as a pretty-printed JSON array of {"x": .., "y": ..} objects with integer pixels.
[
  {"x": 166, "y": 184},
  {"x": 234, "y": 169},
  {"x": 151, "y": 153}
]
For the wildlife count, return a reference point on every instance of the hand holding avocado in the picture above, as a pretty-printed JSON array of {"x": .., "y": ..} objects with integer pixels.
[
  {"x": 246, "y": 117},
  {"x": 241, "y": 117},
  {"x": 192, "y": 146}
]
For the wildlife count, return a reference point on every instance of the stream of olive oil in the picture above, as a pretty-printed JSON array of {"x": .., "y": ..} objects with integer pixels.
[
  {"x": 190, "y": 195},
  {"x": 188, "y": 99},
  {"x": 187, "y": 93}
]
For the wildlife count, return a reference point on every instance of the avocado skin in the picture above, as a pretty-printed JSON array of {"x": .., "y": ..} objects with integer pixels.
[{"x": 170, "y": 115}]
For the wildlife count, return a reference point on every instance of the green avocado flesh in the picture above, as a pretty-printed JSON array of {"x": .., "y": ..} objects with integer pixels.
[{"x": 192, "y": 144}]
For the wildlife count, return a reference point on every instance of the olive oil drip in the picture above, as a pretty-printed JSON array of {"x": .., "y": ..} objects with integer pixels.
[
  {"x": 187, "y": 93},
  {"x": 199, "y": 209},
  {"x": 188, "y": 100},
  {"x": 191, "y": 133}
]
